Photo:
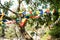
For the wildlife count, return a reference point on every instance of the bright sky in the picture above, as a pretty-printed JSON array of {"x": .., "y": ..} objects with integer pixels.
[
  {"x": 13, "y": 7},
  {"x": 15, "y": 3}
]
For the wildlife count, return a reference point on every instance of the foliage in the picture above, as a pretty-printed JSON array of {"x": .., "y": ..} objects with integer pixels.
[
  {"x": 55, "y": 3},
  {"x": 27, "y": 1},
  {"x": 56, "y": 29},
  {"x": 7, "y": 5},
  {"x": 55, "y": 32}
]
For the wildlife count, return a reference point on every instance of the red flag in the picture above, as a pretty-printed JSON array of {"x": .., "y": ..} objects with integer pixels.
[{"x": 22, "y": 24}]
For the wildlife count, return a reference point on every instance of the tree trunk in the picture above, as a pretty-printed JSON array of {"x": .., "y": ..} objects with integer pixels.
[
  {"x": 19, "y": 1},
  {"x": 25, "y": 34}
]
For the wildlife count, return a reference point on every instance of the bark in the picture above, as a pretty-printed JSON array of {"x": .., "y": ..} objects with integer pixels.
[
  {"x": 19, "y": 1},
  {"x": 25, "y": 34}
]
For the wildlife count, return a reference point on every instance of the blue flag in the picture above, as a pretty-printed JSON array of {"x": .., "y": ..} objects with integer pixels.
[
  {"x": 4, "y": 20},
  {"x": 41, "y": 12},
  {"x": 24, "y": 13}
]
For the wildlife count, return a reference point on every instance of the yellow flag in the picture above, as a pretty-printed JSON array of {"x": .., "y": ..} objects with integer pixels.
[
  {"x": 23, "y": 19},
  {"x": 0, "y": 28},
  {"x": 1, "y": 22},
  {"x": 37, "y": 12}
]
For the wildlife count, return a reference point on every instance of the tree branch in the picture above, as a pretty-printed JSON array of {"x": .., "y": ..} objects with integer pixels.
[
  {"x": 9, "y": 10},
  {"x": 54, "y": 22}
]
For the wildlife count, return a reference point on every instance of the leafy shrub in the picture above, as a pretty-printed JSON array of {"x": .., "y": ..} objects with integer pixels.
[{"x": 55, "y": 31}]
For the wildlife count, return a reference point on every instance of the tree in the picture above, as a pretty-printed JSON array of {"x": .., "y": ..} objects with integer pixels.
[
  {"x": 5, "y": 7},
  {"x": 42, "y": 20}
]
